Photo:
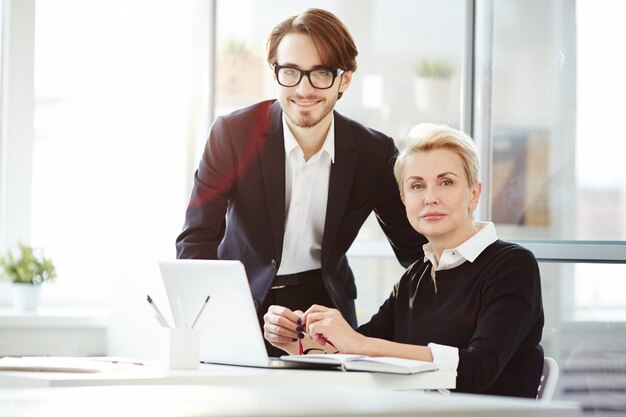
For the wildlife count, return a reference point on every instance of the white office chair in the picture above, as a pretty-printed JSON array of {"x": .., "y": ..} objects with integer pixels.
[{"x": 549, "y": 378}]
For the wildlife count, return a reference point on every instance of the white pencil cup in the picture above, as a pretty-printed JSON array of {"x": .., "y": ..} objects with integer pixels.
[{"x": 180, "y": 348}]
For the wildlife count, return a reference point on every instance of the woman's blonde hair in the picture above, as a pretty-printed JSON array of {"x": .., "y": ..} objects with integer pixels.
[{"x": 428, "y": 137}]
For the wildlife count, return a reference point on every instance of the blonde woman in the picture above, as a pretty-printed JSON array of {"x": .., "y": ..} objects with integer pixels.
[{"x": 472, "y": 304}]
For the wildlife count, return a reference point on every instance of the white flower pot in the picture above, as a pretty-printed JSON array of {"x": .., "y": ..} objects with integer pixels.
[
  {"x": 431, "y": 93},
  {"x": 25, "y": 296}
]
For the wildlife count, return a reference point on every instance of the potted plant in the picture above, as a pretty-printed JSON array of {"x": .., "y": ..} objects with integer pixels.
[
  {"x": 431, "y": 84},
  {"x": 26, "y": 270}
]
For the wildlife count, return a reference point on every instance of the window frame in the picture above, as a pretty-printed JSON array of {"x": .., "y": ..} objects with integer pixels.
[
  {"x": 17, "y": 134},
  {"x": 478, "y": 113},
  {"x": 18, "y": 20}
]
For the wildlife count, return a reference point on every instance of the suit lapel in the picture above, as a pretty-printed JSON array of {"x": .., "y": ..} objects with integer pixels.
[
  {"x": 341, "y": 178},
  {"x": 272, "y": 154}
]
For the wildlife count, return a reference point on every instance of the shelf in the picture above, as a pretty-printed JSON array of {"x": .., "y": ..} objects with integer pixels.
[{"x": 54, "y": 317}]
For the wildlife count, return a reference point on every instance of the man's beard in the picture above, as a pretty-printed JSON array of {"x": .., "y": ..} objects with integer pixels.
[{"x": 305, "y": 119}]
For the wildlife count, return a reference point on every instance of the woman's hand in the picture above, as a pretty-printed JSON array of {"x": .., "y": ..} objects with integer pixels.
[
  {"x": 327, "y": 325},
  {"x": 280, "y": 328}
]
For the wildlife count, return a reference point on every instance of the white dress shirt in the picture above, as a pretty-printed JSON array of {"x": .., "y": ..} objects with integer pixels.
[
  {"x": 447, "y": 357},
  {"x": 306, "y": 195}
]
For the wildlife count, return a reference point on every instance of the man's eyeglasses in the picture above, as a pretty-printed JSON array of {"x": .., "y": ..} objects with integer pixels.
[{"x": 321, "y": 78}]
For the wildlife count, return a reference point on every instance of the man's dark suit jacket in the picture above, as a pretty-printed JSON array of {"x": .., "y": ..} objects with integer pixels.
[{"x": 237, "y": 205}]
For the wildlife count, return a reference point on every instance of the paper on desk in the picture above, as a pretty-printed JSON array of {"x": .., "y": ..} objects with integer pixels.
[{"x": 64, "y": 364}]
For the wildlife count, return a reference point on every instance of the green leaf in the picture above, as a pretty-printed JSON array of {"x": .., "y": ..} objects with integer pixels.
[{"x": 29, "y": 266}]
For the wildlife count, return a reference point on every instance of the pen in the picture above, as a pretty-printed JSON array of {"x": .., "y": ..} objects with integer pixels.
[
  {"x": 161, "y": 321},
  {"x": 158, "y": 314},
  {"x": 200, "y": 312},
  {"x": 117, "y": 361}
]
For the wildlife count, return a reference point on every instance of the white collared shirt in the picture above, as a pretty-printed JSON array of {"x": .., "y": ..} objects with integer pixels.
[
  {"x": 306, "y": 196},
  {"x": 466, "y": 251},
  {"x": 447, "y": 357}
]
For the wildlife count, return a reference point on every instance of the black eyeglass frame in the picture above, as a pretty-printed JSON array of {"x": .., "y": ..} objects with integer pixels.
[{"x": 336, "y": 73}]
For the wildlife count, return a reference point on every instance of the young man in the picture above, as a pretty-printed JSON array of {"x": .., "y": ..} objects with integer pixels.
[{"x": 285, "y": 185}]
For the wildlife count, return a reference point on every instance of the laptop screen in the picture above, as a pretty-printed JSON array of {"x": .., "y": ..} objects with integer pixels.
[{"x": 230, "y": 332}]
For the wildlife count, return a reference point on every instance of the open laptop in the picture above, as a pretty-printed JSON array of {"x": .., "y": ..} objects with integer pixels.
[{"x": 230, "y": 331}]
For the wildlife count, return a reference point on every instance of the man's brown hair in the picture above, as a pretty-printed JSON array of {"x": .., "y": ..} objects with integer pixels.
[{"x": 331, "y": 38}]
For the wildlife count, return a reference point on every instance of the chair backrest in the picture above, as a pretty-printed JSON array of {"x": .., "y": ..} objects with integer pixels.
[{"x": 549, "y": 378}]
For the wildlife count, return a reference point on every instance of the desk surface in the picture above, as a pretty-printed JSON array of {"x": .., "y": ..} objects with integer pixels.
[
  {"x": 263, "y": 400},
  {"x": 225, "y": 375}
]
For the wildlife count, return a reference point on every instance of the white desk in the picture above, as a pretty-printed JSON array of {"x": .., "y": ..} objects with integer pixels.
[
  {"x": 224, "y": 375},
  {"x": 263, "y": 400}
]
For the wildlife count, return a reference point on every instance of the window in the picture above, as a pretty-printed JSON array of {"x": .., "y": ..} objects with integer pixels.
[
  {"x": 118, "y": 100},
  {"x": 544, "y": 95},
  {"x": 399, "y": 83},
  {"x": 548, "y": 93},
  {"x": 556, "y": 172}
]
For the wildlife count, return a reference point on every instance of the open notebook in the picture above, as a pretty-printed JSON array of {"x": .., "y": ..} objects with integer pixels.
[
  {"x": 230, "y": 331},
  {"x": 349, "y": 362}
]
